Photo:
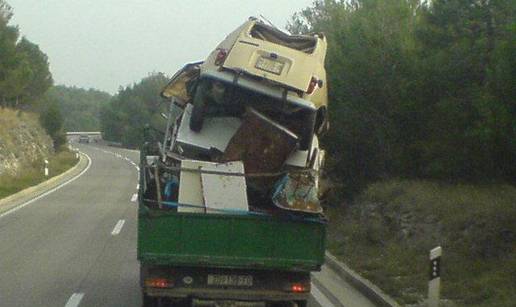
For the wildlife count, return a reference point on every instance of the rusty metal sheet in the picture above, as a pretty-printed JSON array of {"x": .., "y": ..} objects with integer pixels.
[
  {"x": 297, "y": 192},
  {"x": 262, "y": 144}
]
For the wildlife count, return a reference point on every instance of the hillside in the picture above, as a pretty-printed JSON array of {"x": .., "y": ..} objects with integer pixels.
[
  {"x": 80, "y": 108},
  {"x": 387, "y": 232},
  {"x": 23, "y": 142},
  {"x": 24, "y": 145}
]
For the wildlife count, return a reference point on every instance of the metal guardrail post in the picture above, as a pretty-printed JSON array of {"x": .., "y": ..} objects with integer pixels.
[
  {"x": 46, "y": 168},
  {"x": 434, "y": 283}
]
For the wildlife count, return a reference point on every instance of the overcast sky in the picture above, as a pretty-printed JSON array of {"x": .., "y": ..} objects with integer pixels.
[{"x": 107, "y": 43}]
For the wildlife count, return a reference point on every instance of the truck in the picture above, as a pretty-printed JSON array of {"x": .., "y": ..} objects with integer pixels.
[{"x": 228, "y": 211}]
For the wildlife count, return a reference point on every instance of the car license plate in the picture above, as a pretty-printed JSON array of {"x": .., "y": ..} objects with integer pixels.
[
  {"x": 230, "y": 280},
  {"x": 269, "y": 65}
]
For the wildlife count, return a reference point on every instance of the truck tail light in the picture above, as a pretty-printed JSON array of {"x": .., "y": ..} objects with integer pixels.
[
  {"x": 221, "y": 57},
  {"x": 299, "y": 288},
  {"x": 158, "y": 283}
]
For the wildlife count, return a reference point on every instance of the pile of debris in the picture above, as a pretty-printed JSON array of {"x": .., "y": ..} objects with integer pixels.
[{"x": 243, "y": 126}]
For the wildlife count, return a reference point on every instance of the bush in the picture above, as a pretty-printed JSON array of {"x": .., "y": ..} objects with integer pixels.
[{"x": 52, "y": 120}]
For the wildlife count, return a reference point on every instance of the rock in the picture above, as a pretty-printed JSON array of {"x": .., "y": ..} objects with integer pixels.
[{"x": 23, "y": 142}]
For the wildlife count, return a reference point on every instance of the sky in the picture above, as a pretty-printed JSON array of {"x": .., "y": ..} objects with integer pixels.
[{"x": 105, "y": 44}]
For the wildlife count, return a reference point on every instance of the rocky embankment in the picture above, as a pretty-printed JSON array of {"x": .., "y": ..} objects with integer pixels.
[{"x": 23, "y": 142}]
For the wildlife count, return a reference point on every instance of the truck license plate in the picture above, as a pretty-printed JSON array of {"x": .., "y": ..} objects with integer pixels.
[
  {"x": 230, "y": 280},
  {"x": 269, "y": 65}
]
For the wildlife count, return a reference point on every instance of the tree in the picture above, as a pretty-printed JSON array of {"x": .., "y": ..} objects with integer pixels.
[
  {"x": 52, "y": 120},
  {"x": 40, "y": 79},
  {"x": 8, "y": 58},
  {"x": 419, "y": 88},
  {"x": 462, "y": 46},
  {"x": 124, "y": 118},
  {"x": 24, "y": 68},
  {"x": 370, "y": 65},
  {"x": 80, "y": 107}
]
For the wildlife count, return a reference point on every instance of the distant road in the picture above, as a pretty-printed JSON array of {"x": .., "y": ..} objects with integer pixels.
[{"x": 77, "y": 245}]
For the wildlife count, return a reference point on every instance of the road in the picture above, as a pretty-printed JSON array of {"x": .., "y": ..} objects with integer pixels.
[{"x": 77, "y": 245}]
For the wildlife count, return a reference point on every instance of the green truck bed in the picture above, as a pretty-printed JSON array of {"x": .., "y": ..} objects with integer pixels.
[{"x": 230, "y": 241}]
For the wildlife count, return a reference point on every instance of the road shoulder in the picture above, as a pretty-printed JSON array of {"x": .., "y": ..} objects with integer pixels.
[
  {"x": 13, "y": 201},
  {"x": 332, "y": 280}
]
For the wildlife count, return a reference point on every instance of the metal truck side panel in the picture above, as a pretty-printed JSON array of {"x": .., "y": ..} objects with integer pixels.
[{"x": 231, "y": 241}]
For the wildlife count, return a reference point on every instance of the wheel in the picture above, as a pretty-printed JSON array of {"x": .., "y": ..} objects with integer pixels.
[
  {"x": 149, "y": 301},
  {"x": 197, "y": 118},
  {"x": 303, "y": 303},
  {"x": 281, "y": 304},
  {"x": 181, "y": 303}
]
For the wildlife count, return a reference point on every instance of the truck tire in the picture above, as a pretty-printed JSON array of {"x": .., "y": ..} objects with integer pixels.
[
  {"x": 199, "y": 104},
  {"x": 282, "y": 304},
  {"x": 303, "y": 303},
  {"x": 181, "y": 303},
  {"x": 149, "y": 301},
  {"x": 197, "y": 118}
]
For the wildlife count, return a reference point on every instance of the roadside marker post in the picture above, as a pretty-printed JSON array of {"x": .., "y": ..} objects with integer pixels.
[
  {"x": 434, "y": 283},
  {"x": 46, "y": 168}
]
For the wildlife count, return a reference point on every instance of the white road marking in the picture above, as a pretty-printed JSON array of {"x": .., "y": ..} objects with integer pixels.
[
  {"x": 137, "y": 168},
  {"x": 138, "y": 186},
  {"x": 118, "y": 227},
  {"x": 127, "y": 159},
  {"x": 320, "y": 297},
  {"x": 134, "y": 197},
  {"x": 49, "y": 191},
  {"x": 74, "y": 300}
]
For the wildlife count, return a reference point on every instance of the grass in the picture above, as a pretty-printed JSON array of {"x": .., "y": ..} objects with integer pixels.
[
  {"x": 34, "y": 174},
  {"x": 387, "y": 232}
]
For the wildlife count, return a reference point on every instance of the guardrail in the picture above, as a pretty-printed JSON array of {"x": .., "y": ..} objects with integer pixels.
[{"x": 364, "y": 286}]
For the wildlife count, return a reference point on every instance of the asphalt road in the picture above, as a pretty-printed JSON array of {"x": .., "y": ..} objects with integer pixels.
[{"x": 77, "y": 245}]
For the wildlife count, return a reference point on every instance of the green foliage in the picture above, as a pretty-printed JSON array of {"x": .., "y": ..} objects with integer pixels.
[
  {"x": 52, "y": 120},
  {"x": 24, "y": 68},
  {"x": 81, "y": 108},
  {"x": 40, "y": 78},
  {"x": 387, "y": 232},
  {"x": 124, "y": 118},
  {"x": 33, "y": 174},
  {"x": 419, "y": 89}
]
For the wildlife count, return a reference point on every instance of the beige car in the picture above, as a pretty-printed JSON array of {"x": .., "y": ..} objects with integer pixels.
[
  {"x": 259, "y": 66},
  {"x": 294, "y": 62}
]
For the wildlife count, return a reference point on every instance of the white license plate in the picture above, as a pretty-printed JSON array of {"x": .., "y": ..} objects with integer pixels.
[
  {"x": 269, "y": 65},
  {"x": 230, "y": 280}
]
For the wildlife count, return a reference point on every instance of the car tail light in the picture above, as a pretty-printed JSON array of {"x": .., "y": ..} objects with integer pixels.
[
  {"x": 221, "y": 57},
  {"x": 158, "y": 283},
  {"x": 311, "y": 86},
  {"x": 299, "y": 288}
]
